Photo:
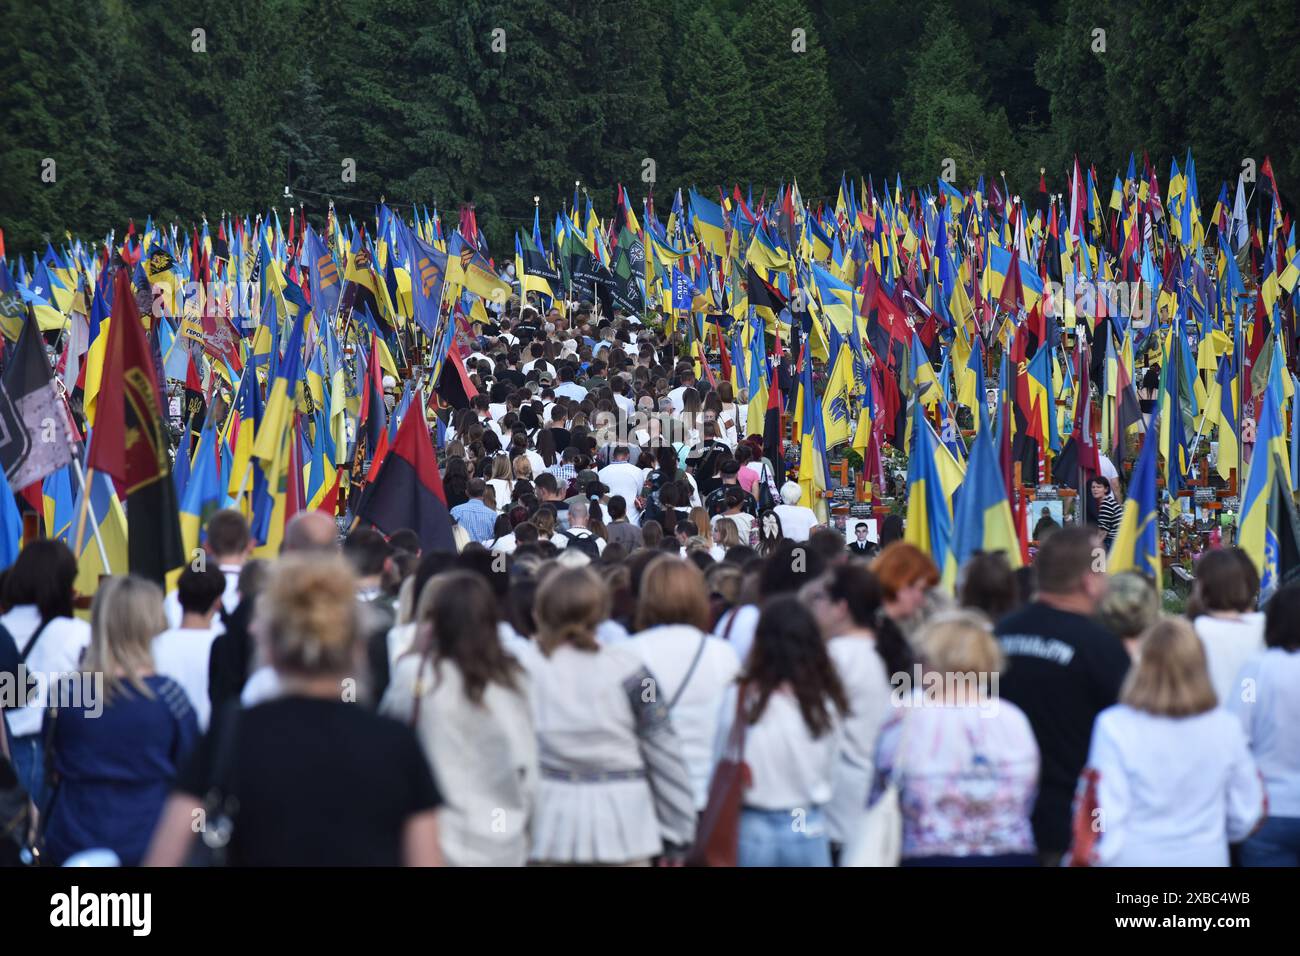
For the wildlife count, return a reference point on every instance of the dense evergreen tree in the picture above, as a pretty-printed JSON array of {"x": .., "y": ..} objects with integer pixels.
[
  {"x": 944, "y": 113},
  {"x": 711, "y": 104},
  {"x": 790, "y": 92},
  {"x": 142, "y": 117}
]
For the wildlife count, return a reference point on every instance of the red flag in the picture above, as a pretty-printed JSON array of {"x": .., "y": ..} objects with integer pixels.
[
  {"x": 1013, "y": 290},
  {"x": 132, "y": 454}
]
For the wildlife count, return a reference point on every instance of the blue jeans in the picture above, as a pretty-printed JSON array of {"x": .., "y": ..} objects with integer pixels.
[
  {"x": 1276, "y": 843},
  {"x": 783, "y": 838},
  {"x": 28, "y": 757}
]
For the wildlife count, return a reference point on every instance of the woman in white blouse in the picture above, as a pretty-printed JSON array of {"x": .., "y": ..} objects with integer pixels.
[
  {"x": 502, "y": 482},
  {"x": 793, "y": 705},
  {"x": 1222, "y": 608},
  {"x": 964, "y": 761},
  {"x": 1173, "y": 778},
  {"x": 846, "y": 602},
  {"x": 614, "y": 787},
  {"x": 1270, "y": 714},
  {"x": 693, "y": 668},
  {"x": 468, "y": 702},
  {"x": 38, "y": 592}
]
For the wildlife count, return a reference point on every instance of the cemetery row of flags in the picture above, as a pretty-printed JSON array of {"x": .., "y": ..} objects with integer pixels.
[{"x": 870, "y": 322}]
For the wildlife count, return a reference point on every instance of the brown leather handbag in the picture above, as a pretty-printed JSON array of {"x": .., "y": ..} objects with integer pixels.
[{"x": 718, "y": 835}]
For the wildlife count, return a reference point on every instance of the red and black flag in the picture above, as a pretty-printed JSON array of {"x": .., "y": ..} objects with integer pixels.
[
  {"x": 36, "y": 438},
  {"x": 764, "y": 297},
  {"x": 196, "y": 405},
  {"x": 454, "y": 387},
  {"x": 407, "y": 492},
  {"x": 130, "y": 441},
  {"x": 774, "y": 430}
]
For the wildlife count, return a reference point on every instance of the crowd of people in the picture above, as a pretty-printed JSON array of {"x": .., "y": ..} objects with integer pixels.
[{"x": 628, "y": 605}]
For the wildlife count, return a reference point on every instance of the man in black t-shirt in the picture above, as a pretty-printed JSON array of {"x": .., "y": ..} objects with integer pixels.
[{"x": 1062, "y": 668}]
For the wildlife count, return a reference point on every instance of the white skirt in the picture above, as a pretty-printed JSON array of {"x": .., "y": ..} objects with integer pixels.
[{"x": 603, "y": 822}]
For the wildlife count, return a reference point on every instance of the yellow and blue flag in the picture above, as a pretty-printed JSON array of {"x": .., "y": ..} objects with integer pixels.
[{"x": 1137, "y": 542}]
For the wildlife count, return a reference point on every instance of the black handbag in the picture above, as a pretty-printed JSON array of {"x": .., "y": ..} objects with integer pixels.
[
  {"x": 220, "y": 804},
  {"x": 765, "y": 502},
  {"x": 19, "y": 833}
]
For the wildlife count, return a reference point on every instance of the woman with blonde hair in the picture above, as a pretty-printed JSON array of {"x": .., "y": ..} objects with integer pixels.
[
  {"x": 700, "y": 518},
  {"x": 614, "y": 788},
  {"x": 309, "y": 778},
  {"x": 965, "y": 762},
  {"x": 1169, "y": 771},
  {"x": 468, "y": 702},
  {"x": 501, "y": 482},
  {"x": 545, "y": 523},
  {"x": 693, "y": 667},
  {"x": 725, "y": 536},
  {"x": 118, "y": 731}
]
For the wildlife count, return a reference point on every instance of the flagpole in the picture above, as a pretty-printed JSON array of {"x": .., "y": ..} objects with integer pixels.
[{"x": 94, "y": 523}]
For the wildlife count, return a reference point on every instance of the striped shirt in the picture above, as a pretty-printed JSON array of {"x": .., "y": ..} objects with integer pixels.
[{"x": 1108, "y": 517}]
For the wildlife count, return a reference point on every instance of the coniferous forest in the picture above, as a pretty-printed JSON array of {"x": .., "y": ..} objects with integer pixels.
[{"x": 180, "y": 110}]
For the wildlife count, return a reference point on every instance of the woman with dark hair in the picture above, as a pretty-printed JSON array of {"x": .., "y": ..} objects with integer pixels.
[
  {"x": 793, "y": 705},
  {"x": 39, "y": 632},
  {"x": 989, "y": 585},
  {"x": 866, "y": 648},
  {"x": 891, "y": 530},
  {"x": 1102, "y": 509},
  {"x": 789, "y": 567},
  {"x": 468, "y": 702},
  {"x": 546, "y": 447},
  {"x": 1271, "y": 718},
  {"x": 662, "y": 475},
  {"x": 1222, "y": 611},
  {"x": 770, "y": 532},
  {"x": 455, "y": 482},
  {"x": 652, "y": 533}
]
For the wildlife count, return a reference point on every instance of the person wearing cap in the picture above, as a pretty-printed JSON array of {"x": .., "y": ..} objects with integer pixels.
[
  {"x": 588, "y": 485},
  {"x": 716, "y": 502}
]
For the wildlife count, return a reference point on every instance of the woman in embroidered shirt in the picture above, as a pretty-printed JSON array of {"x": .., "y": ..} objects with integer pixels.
[
  {"x": 1171, "y": 771},
  {"x": 965, "y": 763}
]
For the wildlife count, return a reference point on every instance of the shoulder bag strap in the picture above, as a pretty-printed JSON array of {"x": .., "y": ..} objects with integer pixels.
[
  {"x": 690, "y": 671},
  {"x": 726, "y": 631},
  {"x": 31, "y": 641},
  {"x": 418, "y": 691}
]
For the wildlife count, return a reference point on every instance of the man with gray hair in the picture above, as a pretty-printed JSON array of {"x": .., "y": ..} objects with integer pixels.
[
  {"x": 579, "y": 535},
  {"x": 797, "y": 522}
]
